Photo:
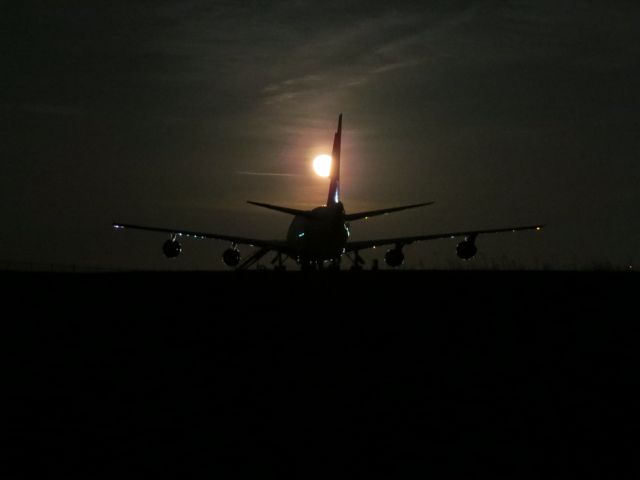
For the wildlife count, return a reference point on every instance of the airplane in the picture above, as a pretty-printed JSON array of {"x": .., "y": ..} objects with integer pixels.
[{"x": 322, "y": 234}]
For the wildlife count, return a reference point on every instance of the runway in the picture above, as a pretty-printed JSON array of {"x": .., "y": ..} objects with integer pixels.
[{"x": 267, "y": 372}]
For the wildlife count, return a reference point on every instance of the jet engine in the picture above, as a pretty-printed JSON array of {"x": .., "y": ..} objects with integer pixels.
[
  {"x": 231, "y": 257},
  {"x": 394, "y": 257},
  {"x": 171, "y": 248},
  {"x": 466, "y": 250}
]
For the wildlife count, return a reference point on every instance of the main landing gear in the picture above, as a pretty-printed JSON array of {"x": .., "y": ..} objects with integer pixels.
[
  {"x": 357, "y": 261},
  {"x": 279, "y": 263}
]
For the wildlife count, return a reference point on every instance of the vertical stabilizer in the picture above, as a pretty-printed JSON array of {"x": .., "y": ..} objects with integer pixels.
[{"x": 334, "y": 186}]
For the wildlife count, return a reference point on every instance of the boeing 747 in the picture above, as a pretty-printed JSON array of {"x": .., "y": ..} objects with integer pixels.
[{"x": 322, "y": 234}]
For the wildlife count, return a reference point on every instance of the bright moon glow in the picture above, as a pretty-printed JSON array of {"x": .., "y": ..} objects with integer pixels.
[{"x": 322, "y": 165}]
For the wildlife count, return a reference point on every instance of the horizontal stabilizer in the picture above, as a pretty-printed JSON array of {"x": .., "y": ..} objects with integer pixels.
[
  {"x": 289, "y": 211},
  {"x": 384, "y": 211}
]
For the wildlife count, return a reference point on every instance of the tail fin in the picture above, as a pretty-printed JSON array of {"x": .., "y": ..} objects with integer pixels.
[{"x": 334, "y": 186}]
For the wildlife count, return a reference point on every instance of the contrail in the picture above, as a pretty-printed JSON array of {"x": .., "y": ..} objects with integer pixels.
[{"x": 268, "y": 174}]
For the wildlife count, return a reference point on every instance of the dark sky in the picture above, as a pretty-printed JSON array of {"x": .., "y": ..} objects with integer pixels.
[{"x": 502, "y": 112}]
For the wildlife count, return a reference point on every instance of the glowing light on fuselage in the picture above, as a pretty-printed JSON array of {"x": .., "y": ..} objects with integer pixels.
[{"x": 322, "y": 165}]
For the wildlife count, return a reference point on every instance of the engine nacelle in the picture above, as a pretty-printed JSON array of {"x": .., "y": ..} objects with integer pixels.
[
  {"x": 171, "y": 248},
  {"x": 466, "y": 250},
  {"x": 231, "y": 257},
  {"x": 394, "y": 257}
]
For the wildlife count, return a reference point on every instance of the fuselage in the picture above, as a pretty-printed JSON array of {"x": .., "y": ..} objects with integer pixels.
[{"x": 320, "y": 234}]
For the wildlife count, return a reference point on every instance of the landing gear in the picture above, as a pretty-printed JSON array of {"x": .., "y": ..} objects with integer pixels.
[
  {"x": 253, "y": 259},
  {"x": 357, "y": 261},
  {"x": 279, "y": 267},
  {"x": 307, "y": 266}
]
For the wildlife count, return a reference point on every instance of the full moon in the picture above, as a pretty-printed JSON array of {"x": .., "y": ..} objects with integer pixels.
[{"x": 322, "y": 165}]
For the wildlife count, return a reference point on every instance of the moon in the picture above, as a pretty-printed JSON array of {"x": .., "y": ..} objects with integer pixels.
[{"x": 322, "y": 165}]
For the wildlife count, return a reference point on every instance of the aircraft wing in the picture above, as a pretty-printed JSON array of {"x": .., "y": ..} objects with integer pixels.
[
  {"x": 354, "y": 246},
  {"x": 277, "y": 245}
]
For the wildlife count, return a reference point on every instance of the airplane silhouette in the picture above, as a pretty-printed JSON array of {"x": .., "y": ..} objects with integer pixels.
[{"x": 322, "y": 234}]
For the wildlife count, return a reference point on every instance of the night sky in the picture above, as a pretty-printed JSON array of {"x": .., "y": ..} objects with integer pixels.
[{"x": 174, "y": 113}]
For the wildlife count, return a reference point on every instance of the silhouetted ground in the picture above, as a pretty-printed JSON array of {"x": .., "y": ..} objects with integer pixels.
[{"x": 320, "y": 374}]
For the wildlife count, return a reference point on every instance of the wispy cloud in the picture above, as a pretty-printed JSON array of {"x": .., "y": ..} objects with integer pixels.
[
  {"x": 48, "y": 109},
  {"x": 347, "y": 57},
  {"x": 268, "y": 174}
]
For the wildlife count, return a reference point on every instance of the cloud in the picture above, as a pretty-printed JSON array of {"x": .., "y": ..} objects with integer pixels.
[
  {"x": 345, "y": 57},
  {"x": 49, "y": 109},
  {"x": 268, "y": 174}
]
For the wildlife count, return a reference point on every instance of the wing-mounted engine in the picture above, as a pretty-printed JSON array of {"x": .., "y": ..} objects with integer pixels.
[
  {"x": 394, "y": 257},
  {"x": 467, "y": 249},
  {"x": 231, "y": 257},
  {"x": 172, "y": 248}
]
